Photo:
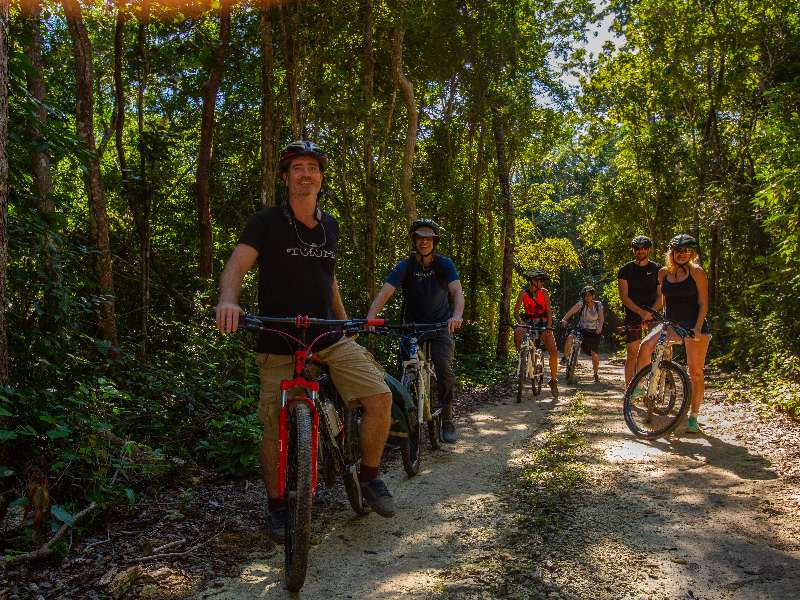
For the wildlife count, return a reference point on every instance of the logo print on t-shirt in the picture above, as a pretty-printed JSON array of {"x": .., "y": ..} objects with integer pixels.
[{"x": 312, "y": 253}]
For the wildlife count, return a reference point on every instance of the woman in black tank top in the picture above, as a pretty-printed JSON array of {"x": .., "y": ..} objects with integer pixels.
[{"x": 683, "y": 291}]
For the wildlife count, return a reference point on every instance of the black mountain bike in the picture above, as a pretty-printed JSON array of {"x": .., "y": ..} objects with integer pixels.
[{"x": 574, "y": 353}]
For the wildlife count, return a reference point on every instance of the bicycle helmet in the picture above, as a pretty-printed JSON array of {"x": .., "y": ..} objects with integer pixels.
[
  {"x": 420, "y": 223},
  {"x": 683, "y": 240},
  {"x": 641, "y": 241},
  {"x": 587, "y": 290},
  {"x": 536, "y": 274},
  {"x": 302, "y": 148}
]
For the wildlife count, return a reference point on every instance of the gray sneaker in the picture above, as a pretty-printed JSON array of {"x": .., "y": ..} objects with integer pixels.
[
  {"x": 378, "y": 497},
  {"x": 449, "y": 433}
]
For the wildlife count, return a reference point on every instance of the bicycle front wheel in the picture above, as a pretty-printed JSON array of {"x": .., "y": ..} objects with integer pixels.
[
  {"x": 522, "y": 374},
  {"x": 352, "y": 459},
  {"x": 298, "y": 496},
  {"x": 653, "y": 416},
  {"x": 538, "y": 372},
  {"x": 411, "y": 449},
  {"x": 572, "y": 363}
]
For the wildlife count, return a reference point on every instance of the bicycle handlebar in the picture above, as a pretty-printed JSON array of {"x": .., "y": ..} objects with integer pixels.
[{"x": 681, "y": 331}]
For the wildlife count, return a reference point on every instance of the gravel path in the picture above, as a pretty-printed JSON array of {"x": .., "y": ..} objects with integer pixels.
[{"x": 711, "y": 516}]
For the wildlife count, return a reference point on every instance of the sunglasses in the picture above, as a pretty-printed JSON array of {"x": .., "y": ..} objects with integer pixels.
[
  {"x": 681, "y": 250},
  {"x": 641, "y": 248}
]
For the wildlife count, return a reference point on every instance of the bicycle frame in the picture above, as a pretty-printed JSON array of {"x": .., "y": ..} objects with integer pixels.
[
  {"x": 662, "y": 351},
  {"x": 419, "y": 361}
]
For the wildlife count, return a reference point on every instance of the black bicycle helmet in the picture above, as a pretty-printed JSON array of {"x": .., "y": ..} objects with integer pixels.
[
  {"x": 683, "y": 240},
  {"x": 588, "y": 289},
  {"x": 429, "y": 223},
  {"x": 302, "y": 148},
  {"x": 536, "y": 274},
  {"x": 641, "y": 241}
]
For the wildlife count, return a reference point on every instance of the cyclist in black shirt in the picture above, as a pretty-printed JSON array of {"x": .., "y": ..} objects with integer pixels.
[
  {"x": 638, "y": 284},
  {"x": 295, "y": 245}
]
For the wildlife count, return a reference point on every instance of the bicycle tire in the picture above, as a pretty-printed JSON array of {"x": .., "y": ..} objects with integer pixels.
[
  {"x": 522, "y": 373},
  {"x": 435, "y": 424},
  {"x": 665, "y": 421},
  {"x": 538, "y": 372},
  {"x": 299, "y": 496},
  {"x": 572, "y": 363},
  {"x": 411, "y": 450},
  {"x": 352, "y": 457}
]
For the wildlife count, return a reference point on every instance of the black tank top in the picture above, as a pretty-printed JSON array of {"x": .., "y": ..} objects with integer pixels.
[{"x": 681, "y": 300}]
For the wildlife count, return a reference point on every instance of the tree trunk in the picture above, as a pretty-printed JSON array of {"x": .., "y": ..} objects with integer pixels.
[
  {"x": 472, "y": 291},
  {"x": 40, "y": 159},
  {"x": 370, "y": 184},
  {"x": 4, "y": 188},
  {"x": 508, "y": 244},
  {"x": 268, "y": 149},
  {"x": 411, "y": 130},
  {"x": 210, "y": 91},
  {"x": 289, "y": 25},
  {"x": 84, "y": 124}
]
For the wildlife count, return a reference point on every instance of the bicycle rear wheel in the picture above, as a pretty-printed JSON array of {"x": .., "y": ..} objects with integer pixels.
[
  {"x": 522, "y": 373},
  {"x": 352, "y": 459},
  {"x": 411, "y": 451},
  {"x": 298, "y": 496},
  {"x": 653, "y": 417}
]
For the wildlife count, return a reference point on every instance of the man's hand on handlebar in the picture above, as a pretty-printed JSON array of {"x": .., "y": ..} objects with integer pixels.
[
  {"x": 228, "y": 314},
  {"x": 454, "y": 323}
]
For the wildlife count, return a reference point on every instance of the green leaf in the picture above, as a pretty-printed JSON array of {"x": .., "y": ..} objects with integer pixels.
[
  {"x": 7, "y": 434},
  {"x": 61, "y": 432},
  {"x": 61, "y": 513},
  {"x": 5, "y": 413},
  {"x": 129, "y": 493},
  {"x": 6, "y": 472}
]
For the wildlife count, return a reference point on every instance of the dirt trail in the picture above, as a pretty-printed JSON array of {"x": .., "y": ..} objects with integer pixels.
[{"x": 691, "y": 517}]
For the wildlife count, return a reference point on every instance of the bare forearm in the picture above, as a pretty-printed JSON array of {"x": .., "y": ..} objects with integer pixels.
[
  {"x": 230, "y": 283},
  {"x": 380, "y": 301}
]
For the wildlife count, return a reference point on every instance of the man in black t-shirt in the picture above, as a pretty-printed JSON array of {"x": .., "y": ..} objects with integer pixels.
[
  {"x": 295, "y": 245},
  {"x": 638, "y": 288},
  {"x": 429, "y": 282}
]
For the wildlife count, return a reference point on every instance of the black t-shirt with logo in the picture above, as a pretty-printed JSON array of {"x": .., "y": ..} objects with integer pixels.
[
  {"x": 294, "y": 277},
  {"x": 427, "y": 301},
  {"x": 642, "y": 285}
]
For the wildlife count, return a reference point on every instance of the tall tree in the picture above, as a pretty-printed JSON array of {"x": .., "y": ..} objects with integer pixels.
[
  {"x": 84, "y": 124},
  {"x": 503, "y": 176},
  {"x": 290, "y": 24},
  {"x": 210, "y": 91},
  {"x": 3, "y": 187},
  {"x": 268, "y": 146},
  {"x": 370, "y": 183},
  {"x": 407, "y": 90}
]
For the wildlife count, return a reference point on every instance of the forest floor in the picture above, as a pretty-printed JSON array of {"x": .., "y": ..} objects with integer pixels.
[{"x": 550, "y": 498}]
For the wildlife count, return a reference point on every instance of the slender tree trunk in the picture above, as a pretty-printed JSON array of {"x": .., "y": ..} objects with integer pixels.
[
  {"x": 370, "y": 184},
  {"x": 84, "y": 123},
  {"x": 210, "y": 91},
  {"x": 411, "y": 130},
  {"x": 508, "y": 244},
  {"x": 289, "y": 45},
  {"x": 40, "y": 159},
  {"x": 268, "y": 148},
  {"x": 4, "y": 188},
  {"x": 475, "y": 241},
  {"x": 144, "y": 188}
]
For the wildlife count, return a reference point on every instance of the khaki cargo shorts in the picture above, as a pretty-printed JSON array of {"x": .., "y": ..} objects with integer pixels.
[{"x": 355, "y": 373}]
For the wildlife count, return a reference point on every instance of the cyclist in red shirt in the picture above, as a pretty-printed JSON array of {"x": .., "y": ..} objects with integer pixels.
[{"x": 534, "y": 299}]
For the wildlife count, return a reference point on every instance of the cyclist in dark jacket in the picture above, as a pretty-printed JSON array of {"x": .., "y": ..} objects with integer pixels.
[{"x": 430, "y": 285}]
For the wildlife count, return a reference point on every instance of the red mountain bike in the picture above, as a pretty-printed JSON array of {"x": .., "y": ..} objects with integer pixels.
[{"x": 306, "y": 400}]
